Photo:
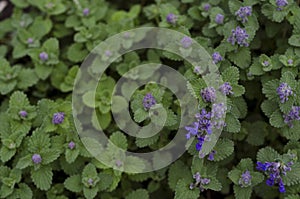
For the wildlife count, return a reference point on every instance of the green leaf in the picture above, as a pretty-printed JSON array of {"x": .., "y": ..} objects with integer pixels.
[
  {"x": 40, "y": 27},
  {"x": 182, "y": 190},
  {"x": 89, "y": 171},
  {"x": 6, "y": 154},
  {"x": 76, "y": 52},
  {"x": 267, "y": 154},
  {"x": 224, "y": 148},
  {"x": 231, "y": 75},
  {"x": 269, "y": 107},
  {"x": 177, "y": 171},
  {"x": 26, "y": 78},
  {"x": 235, "y": 57},
  {"x": 233, "y": 125},
  {"x": 139, "y": 193},
  {"x": 269, "y": 89},
  {"x": 71, "y": 155},
  {"x": 105, "y": 181},
  {"x": 73, "y": 183},
  {"x": 24, "y": 162},
  {"x": 24, "y": 191},
  {"x": 119, "y": 139},
  {"x": 42, "y": 177},
  {"x": 242, "y": 193},
  {"x": 294, "y": 40},
  {"x": 276, "y": 119},
  {"x": 90, "y": 193}
]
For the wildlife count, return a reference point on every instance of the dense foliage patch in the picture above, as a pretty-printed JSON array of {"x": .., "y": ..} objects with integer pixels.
[{"x": 256, "y": 47}]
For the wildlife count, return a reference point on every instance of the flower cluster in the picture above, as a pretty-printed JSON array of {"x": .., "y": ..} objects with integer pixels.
[
  {"x": 202, "y": 128},
  {"x": 245, "y": 179},
  {"x": 218, "y": 113},
  {"x": 226, "y": 89},
  {"x": 275, "y": 170},
  {"x": 284, "y": 91},
  {"x": 208, "y": 94},
  {"x": 71, "y": 145},
  {"x": 216, "y": 57},
  {"x": 239, "y": 36},
  {"x": 243, "y": 13},
  {"x": 58, "y": 118},
  {"x": 199, "y": 182},
  {"x": 293, "y": 115},
  {"x": 148, "y": 101},
  {"x": 86, "y": 12},
  {"x": 171, "y": 18}
]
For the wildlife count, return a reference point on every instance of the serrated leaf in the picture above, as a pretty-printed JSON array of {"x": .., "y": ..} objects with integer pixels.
[
  {"x": 267, "y": 154},
  {"x": 119, "y": 139},
  {"x": 42, "y": 177},
  {"x": 231, "y": 75},
  {"x": 224, "y": 148},
  {"x": 177, "y": 171},
  {"x": 242, "y": 193},
  {"x": 182, "y": 190},
  {"x": 241, "y": 58},
  {"x": 233, "y": 125},
  {"x": 73, "y": 183},
  {"x": 139, "y": 193},
  {"x": 276, "y": 119}
]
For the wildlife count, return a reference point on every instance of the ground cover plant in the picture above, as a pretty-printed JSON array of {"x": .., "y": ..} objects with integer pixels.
[{"x": 255, "y": 45}]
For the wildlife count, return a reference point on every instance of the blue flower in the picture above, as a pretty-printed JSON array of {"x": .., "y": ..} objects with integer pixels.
[
  {"x": 219, "y": 19},
  {"x": 186, "y": 42},
  {"x": 226, "y": 89}
]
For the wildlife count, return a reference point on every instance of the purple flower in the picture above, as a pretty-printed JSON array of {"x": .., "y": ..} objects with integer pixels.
[
  {"x": 266, "y": 63},
  {"x": 219, "y": 19},
  {"x": 197, "y": 70},
  {"x": 243, "y": 13},
  {"x": 245, "y": 179},
  {"x": 208, "y": 94},
  {"x": 171, "y": 18},
  {"x": 119, "y": 163},
  {"x": 226, "y": 89},
  {"x": 108, "y": 53},
  {"x": 284, "y": 91},
  {"x": 206, "y": 7},
  {"x": 86, "y": 12},
  {"x": 186, "y": 42},
  {"x": 290, "y": 62},
  {"x": 23, "y": 113},
  {"x": 29, "y": 41},
  {"x": 216, "y": 57},
  {"x": 36, "y": 158},
  {"x": 274, "y": 170},
  {"x": 204, "y": 119},
  {"x": 200, "y": 143},
  {"x": 294, "y": 114},
  {"x": 148, "y": 101},
  {"x": 192, "y": 130},
  {"x": 90, "y": 181},
  {"x": 58, "y": 118},
  {"x": 43, "y": 56},
  {"x": 281, "y": 3},
  {"x": 71, "y": 145},
  {"x": 218, "y": 110},
  {"x": 199, "y": 182},
  {"x": 281, "y": 186},
  {"x": 211, "y": 155},
  {"x": 239, "y": 36}
]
